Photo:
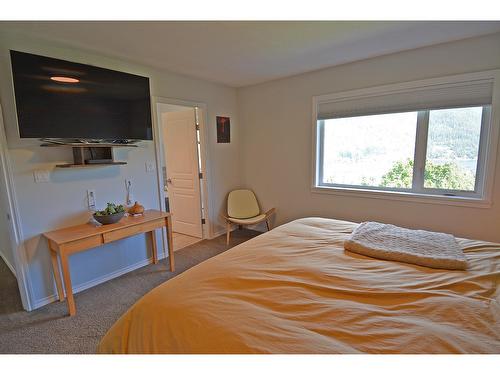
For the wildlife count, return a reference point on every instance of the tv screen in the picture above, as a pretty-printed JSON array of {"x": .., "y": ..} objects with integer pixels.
[{"x": 62, "y": 99}]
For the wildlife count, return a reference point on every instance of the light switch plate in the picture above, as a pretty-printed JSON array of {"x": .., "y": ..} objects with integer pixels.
[{"x": 41, "y": 176}]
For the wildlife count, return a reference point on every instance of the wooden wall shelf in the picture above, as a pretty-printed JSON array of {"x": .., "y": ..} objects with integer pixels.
[{"x": 89, "y": 155}]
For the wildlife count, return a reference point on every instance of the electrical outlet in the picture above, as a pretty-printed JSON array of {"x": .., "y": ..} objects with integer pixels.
[
  {"x": 91, "y": 199},
  {"x": 150, "y": 167},
  {"x": 41, "y": 176}
]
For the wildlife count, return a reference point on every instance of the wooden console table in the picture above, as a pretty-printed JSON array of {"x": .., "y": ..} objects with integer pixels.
[{"x": 66, "y": 241}]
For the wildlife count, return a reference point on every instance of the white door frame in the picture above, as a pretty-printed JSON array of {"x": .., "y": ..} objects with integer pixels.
[
  {"x": 207, "y": 228},
  {"x": 15, "y": 228}
]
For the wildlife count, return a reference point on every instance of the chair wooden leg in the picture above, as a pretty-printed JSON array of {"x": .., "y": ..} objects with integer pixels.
[
  {"x": 228, "y": 234},
  {"x": 268, "y": 225}
]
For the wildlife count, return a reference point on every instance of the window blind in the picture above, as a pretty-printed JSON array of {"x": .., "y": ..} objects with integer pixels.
[{"x": 470, "y": 93}]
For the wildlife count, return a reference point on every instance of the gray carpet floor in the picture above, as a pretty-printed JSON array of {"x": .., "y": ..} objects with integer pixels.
[
  {"x": 50, "y": 330},
  {"x": 10, "y": 301}
]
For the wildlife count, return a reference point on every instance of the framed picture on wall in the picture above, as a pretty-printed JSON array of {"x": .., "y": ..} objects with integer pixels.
[{"x": 223, "y": 130}]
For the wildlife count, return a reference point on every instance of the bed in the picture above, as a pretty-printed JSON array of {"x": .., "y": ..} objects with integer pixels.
[{"x": 296, "y": 290}]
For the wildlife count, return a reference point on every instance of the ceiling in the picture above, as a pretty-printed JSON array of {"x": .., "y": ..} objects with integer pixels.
[{"x": 245, "y": 53}]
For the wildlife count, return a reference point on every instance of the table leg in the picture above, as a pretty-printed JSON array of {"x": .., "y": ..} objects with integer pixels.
[
  {"x": 67, "y": 283},
  {"x": 57, "y": 273},
  {"x": 153, "y": 246},
  {"x": 170, "y": 242}
]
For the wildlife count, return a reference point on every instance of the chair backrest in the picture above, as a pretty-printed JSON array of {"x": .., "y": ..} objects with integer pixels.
[{"x": 242, "y": 204}]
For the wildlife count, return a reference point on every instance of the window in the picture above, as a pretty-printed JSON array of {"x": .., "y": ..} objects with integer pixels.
[
  {"x": 453, "y": 148},
  {"x": 360, "y": 151},
  {"x": 430, "y": 141}
]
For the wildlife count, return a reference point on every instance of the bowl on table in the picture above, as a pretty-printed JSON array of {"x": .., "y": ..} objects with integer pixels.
[{"x": 109, "y": 219}]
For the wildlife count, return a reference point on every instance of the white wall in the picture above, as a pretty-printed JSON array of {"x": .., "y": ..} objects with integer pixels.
[
  {"x": 62, "y": 201},
  {"x": 276, "y": 121}
]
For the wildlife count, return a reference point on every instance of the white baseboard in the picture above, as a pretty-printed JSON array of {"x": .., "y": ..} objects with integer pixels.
[
  {"x": 223, "y": 232},
  {"x": 234, "y": 227},
  {"x": 257, "y": 228},
  {"x": 218, "y": 233},
  {"x": 99, "y": 280},
  {"x": 11, "y": 267}
]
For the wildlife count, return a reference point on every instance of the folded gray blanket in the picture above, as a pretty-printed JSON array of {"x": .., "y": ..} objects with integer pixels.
[{"x": 389, "y": 242}]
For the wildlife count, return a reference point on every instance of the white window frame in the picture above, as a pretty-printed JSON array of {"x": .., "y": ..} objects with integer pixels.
[{"x": 481, "y": 197}]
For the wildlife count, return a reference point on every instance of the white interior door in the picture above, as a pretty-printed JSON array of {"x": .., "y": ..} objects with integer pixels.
[{"x": 183, "y": 184}]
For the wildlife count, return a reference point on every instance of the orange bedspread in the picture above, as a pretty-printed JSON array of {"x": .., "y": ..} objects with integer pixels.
[{"x": 296, "y": 290}]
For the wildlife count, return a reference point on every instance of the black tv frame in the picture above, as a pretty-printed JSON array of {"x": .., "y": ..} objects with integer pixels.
[{"x": 100, "y": 90}]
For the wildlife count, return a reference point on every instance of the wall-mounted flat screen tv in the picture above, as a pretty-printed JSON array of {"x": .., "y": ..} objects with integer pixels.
[{"x": 62, "y": 99}]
